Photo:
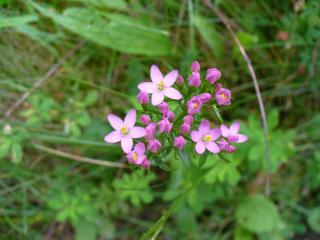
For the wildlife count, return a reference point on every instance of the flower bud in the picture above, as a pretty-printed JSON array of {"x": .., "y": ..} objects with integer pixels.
[
  {"x": 163, "y": 107},
  {"x": 188, "y": 119},
  {"x": 194, "y": 79},
  {"x": 213, "y": 75},
  {"x": 169, "y": 115},
  {"x": 179, "y": 142},
  {"x": 195, "y": 66},
  {"x": 143, "y": 98},
  {"x": 146, "y": 163},
  {"x": 165, "y": 126},
  {"x": 205, "y": 97},
  {"x": 150, "y": 131},
  {"x": 180, "y": 80},
  {"x": 185, "y": 128},
  {"x": 145, "y": 119},
  {"x": 154, "y": 145}
]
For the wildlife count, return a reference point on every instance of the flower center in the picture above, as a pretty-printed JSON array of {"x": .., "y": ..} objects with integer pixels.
[
  {"x": 161, "y": 85},
  {"x": 195, "y": 105},
  {"x": 124, "y": 130},
  {"x": 134, "y": 156},
  {"x": 207, "y": 138},
  {"x": 224, "y": 97}
]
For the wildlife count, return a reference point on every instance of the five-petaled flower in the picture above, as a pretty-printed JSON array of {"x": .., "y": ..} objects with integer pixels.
[
  {"x": 231, "y": 134},
  {"x": 125, "y": 130},
  {"x": 205, "y": 137},
  {"x": 137, "y": 156},
  {"x": 160, "y": 86}
]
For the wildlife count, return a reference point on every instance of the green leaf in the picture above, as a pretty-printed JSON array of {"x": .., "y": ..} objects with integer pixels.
[
  {"x": 17, "y": 21},
  {"x": 314, "y": 219},
  {"x": 257, "y": 214},
  {"x": 273, "y": 119},
  {"x": 91, "y": 98},
  {"x": 242, "y": 234},
  {"x": 16, "y": 153},
  {"x": 115, "y": 4},
  {"x": 209, "y": 33},
  {"x": 116, "y": 31},
  {"x": 5, "y": 147},
  {"x": 85, "y": 230}
]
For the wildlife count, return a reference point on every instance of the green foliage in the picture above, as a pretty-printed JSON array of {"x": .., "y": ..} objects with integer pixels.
[{"x": 16, "y": 21}]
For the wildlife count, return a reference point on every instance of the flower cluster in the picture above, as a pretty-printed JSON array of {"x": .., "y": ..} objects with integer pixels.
[{"x": 174, "y": 117}]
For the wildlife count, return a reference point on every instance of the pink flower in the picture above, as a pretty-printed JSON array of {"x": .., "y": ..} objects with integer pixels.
[
  {"x": 185, "y": 128},
  {"x": 169, "y": 115},
  {"x": 188, "y": 119},
  {"x": 194, "y": 105},
  {"x": 180, "y": 80},
  {"x": 136, "y": 156},
  {"x": 125, "y": 130},
  {"x": 145, "y": 119},
  {"x": 150, "y": 131},
  {"x": 179, "y": 142},
  {"x": 165, "y": 126},
  {"x": 225, "y": 146},
  {"x": 213, "y": 75},
  {"x": 160, "y": 86},
  {"x": 217, "y": 87},
  {"x": 205, "y": 97},
  {"x": 163, "y": 107},
  {"x": 194, "y": 79},
  {"x": 154, "y": 145},
  {"x": 143, "y": 98},
  {"x": 231, "y": 134},
  {"x": 146, "y": 163},
  {"x": 223, "y": 96},
  {"x": 205, "y": 138},
  {"x": 195, "y": 66}
]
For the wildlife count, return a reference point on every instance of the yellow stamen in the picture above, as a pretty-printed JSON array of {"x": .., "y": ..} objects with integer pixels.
[
  {"x": 134, "y": 156},
  {"x": 207, "y": 138},
  {"x": 195, "y": 105},
  {"x": 161, "y": 85},
  {"x": 124, "y": 130},
  {"x": 224, "y": 97}
]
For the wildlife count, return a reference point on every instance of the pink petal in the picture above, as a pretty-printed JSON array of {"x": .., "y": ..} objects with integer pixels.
[
  {"x": 234, "y": 128},
  {"x": 140, "y": 148},
  {"x": 224, "y": 130},
  {"x": 242, "y": 138},
  {"x": 170, "y": 78},
  {"x": 147, "y": 87},
  {"x": 115, "y": 121},
  {"x": 215, "y": 133},
  {"x": 212, "y": 147},
  {"x": 200, "y": 148},
  {"x": 130, "y": 118},
  {"x": 195, "y": 136},
  {"x": 126, "y": 144},
  {"x": 233, "y": 138},
  {"x": 155, "y": 74},
  {"x": 172, "y": 93},
  {"x": 137, "y": 132},
  {"x": 157, "y": 98},
  {"x": 204, "y": 127},
  {"x": 113, "y": 137},
  {"x": 140, "y": 159}
]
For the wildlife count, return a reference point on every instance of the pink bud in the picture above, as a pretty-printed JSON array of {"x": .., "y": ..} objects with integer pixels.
[
  {"x": 205, "y": 97},
  {"x": 146, "y": 163},
  {"x": 194, "y": 105},
  {"x": 163, "y": 107},
  {"x": 179, "y": 142},
  {"x": 213, "y": 75},
  {"x": 180, "y": 80},
  {"x": 169, "y": 115},
  {"x": 194, "y": 79},
  {"x": 223, "y": 96},
  {"x": 217, "y": 87},
  {"x": 165, "y": 126},
  {"x": 195, "y": 66},
  {"x": 143, "y": 98},
  {"x": 154, "y": 145},
  {"x": 150, "y": 131},
  {"x": 185, "y": 128},
  {"x": 145, "y": 119},
  {"x": 188, "y": 119}
]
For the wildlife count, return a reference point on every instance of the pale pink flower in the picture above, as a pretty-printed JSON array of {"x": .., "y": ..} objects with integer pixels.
[
  {"x": 143, "y": 98},
  {"x": 160, "y": 86},
  {"x": 195, "y": 66},
  {"x": 137, "y": 156},
  {"x": 194, "y": 105},
  {"x": 194, "y": 79},
  {"x": 213, "y": 75},
  {"x": 205, "y": 137},
  {"x": 150, "y": 131},
  {"x": 231, "y": 134},
  {"x": 145, "y": 119},
  {"x": 179, "y": 142},
  {"x": 165, "y": 126},
  {"x": 154, "y": 145},
  {"x": 223, "y": 96},
  {"x": 125, "y": 130}
]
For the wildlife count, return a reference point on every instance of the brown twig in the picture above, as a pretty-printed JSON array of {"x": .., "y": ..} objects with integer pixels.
[
  {"x": 225, "y": 21},
  {"x": 52, "y": 71}
]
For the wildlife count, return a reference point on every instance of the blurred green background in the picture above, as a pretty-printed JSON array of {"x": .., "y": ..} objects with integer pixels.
[{"x": 46, "y": 193}]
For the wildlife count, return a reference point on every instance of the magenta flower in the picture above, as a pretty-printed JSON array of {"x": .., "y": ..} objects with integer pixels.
[
  {"x": 231, "y": 134},
  {"x": 185, "y": 128},
  {"x": 194, "y": 105},
  {"x": 154, "y": 145},
  {"x": 225, "y": 146},
  {"x": 143, "y": 98},
  {"x": 217, "y": 87},
  {"x": 195, "y": 66},
  {"x": 169, "y": 115},
  {"x": 223, "y": 96},
  {"x": 205, "y": 97},
  {"x": 188, "y": 119},
  {"x": 160, "y": 86},
  {"x": 146, "y": 163},
  {"x": 213, "y": 75},
  {"x": 205, "y": 137},
  {"x": 179, "y": 142},
  {"x": 145, "y": 119},
  {"x": 150, "y": 131},
  {"x": 125, "y": 130},
  {"x": 165, "y": 125},
  {"x": 163, "y": 107},
  {"x": 194, "y": 79},
  {"x": 180, "y": 80},
  {"x": 136, "y": 156}
]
